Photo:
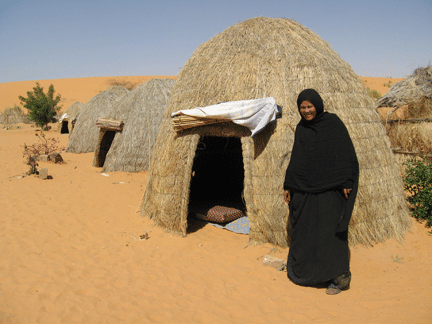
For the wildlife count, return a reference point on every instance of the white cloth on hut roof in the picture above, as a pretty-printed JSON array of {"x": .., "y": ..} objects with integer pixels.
[
  {"x": 254, "y": 114},
  {"x": 64, "y": 116}
]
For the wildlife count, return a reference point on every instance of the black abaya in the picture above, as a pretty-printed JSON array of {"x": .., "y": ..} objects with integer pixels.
[
  {"x": 317, "y": 252},
  {"x": 323, "y": 163}
]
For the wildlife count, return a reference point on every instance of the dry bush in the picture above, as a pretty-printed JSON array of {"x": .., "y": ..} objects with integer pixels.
[
  {"x": 124, "y": 83},
  {"x": 13, "y": 116}
]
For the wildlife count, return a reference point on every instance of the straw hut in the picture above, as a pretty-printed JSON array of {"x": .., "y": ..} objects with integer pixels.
[
  {"x": 85, "y": 135},
  {"x": 268, "y": 57},
  {"x": 415, "y": 92},
  {"x": 68, "y": 119},
  {"x": 141, "y": 112},
  {"x": 413, "y": 95},
  {"x": 13, "y": 116}
]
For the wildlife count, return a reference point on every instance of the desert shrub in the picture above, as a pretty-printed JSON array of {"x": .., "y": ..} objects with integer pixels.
[
  {"x": 42, "y": 106},
  {"x": 418, "y": 183},
  {"x": 44, "y": 146},
  {"x": 13, "y": 115},
  {"x": 126, "y": 84},
  {"x": 373, "y": 93}
]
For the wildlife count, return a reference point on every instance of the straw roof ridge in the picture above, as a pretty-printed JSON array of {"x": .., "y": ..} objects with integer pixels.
[
  {"x": 120, "y": 90},
  {"x": 141, "y": 110},
  {"x": 85, "y": 134},
  {"x": 414, "y": 89},
  {"x": 277, "y": 57},
  {"x": 74, "y": 109}
]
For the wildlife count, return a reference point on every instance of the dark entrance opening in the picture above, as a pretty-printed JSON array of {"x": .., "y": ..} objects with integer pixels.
[
  {"x": 217, "y": 175},
  {"x": 64, "y": 128},
  {"x": 104, "y": 147}
]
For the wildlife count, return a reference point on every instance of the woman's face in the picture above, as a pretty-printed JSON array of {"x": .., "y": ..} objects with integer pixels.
[{"x": 307, "y": 110}]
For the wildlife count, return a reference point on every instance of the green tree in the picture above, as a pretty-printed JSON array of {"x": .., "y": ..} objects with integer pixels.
[{"x": 42, "y": 107}]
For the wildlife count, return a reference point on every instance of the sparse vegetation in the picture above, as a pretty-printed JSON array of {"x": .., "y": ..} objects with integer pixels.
[
  {"x": 124, "y": 83},
  {"x": 12, "y": 115},
  {"x": 45, "y": 146},
  {"x": 373, "y": 93},
  {"x": 418, "y": 183},
  {"x": 43, "y": 108},
  {"x": 397, "y": 258},
  {"x": 388, "y": 84}
]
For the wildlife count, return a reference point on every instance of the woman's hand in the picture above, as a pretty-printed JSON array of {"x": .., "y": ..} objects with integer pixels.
[
  {"x": 346, "y": 192},
  {"x": 287, "y": 196}
]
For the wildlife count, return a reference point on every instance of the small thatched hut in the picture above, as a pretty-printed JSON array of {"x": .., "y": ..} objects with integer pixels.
[
  {"x": 257, "y": 58},
  {"x": 68, "y": 119},
  {"x": 412, "y": 134},
  {"x": 415, "y": 92},
  {"x": 13, "y": 116},
  {"x": 85, "y": 136},
  {"x": 141, "y": 112}
]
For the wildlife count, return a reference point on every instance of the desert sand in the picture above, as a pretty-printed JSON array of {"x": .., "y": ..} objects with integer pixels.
[{"x": 72, "y": 253}]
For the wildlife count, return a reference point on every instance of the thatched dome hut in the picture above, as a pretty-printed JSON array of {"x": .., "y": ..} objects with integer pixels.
[
  {"x": 414, "y": 91},
  {"x": 141, "y": 111},
  {"x": 85, "y": 135},
  {"x": 13, "y": 116},
  {"x": 270, "y": 57},
  {"x": 413, "y": 95},
  {"x": 69, "y": 117}
]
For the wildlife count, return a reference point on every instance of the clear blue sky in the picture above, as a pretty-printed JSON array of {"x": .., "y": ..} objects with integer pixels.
[{"x": 51, "y": 39}]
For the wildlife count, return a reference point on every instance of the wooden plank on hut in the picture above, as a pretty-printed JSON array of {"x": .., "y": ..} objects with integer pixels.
[
  {"x": 181, "y": 122},
  {"x": 412, "y": 120},
  {"x": 110, "y": 124}
]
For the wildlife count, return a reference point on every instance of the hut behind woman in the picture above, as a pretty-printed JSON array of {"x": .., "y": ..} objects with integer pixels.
[
  {"x": 413, "y": 97},
  {"x": 85, "y": 135},
  {"x": 141, "y": 112},
  {"x": 271, "y": 57},
  {"x": 69, "y": 117}
]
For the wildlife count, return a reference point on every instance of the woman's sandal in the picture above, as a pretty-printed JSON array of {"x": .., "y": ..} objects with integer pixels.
[{"x": 332, "y": 289}]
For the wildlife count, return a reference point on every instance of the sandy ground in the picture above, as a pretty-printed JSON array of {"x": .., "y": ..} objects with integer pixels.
[{"x": 71, "y": 253}]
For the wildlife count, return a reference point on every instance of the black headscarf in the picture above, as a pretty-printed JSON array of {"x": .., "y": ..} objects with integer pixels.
[{"x": 323, "y": 156}]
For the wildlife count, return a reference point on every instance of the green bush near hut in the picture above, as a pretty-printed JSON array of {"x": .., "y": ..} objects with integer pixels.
[
  {"x": 42, "y": 106},
  {"x": 418, "y": 182}
]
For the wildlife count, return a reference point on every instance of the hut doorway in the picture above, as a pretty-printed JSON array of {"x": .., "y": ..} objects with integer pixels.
[
  {"x": 217, "y": 175},
  {"x": 64, "y": 127},
  {"x": 105, "y": 144}
]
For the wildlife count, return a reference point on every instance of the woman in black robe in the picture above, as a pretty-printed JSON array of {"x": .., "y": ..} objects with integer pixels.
[{"x": 320, "y": 187}]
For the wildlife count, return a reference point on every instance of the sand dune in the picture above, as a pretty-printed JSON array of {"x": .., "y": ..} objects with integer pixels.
[
  {"x": 83, "y": 89},
  {"x": 71, "y": 253},
  {"x": 71, "y": 90}
]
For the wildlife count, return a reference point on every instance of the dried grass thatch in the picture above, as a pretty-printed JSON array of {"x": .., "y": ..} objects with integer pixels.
[
  {"x": 264, "y": 57},
  {"x": 415, "y": 92},
  {"x": 66, "y": 125},
  {"x": 413, "y": 95},
  {"x": 415, "y": 138},
  {"x": 13, "y": 116},
  {"x": 85, "y": 136},
  {"x": 141, "y": 110}
]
